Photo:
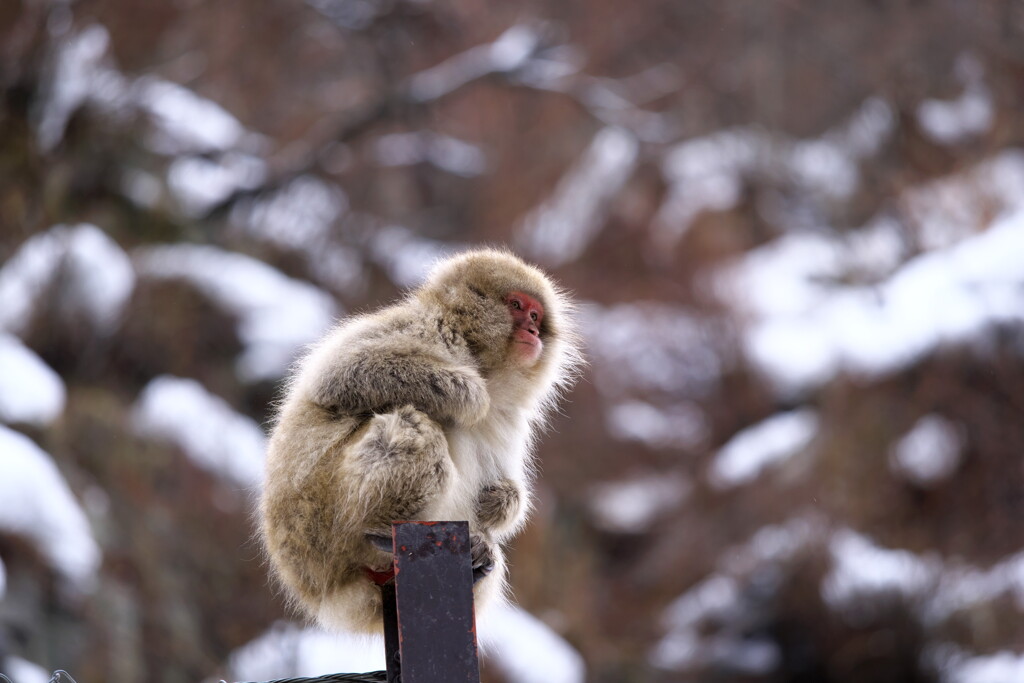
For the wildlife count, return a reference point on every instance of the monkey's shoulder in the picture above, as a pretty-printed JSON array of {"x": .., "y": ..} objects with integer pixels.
[
  {"x": 399, "y": 339},
  {"x": 381, "y": 362}
]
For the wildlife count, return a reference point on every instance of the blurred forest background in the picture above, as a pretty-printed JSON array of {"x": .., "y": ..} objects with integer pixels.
[{"x": 796, "y": 230}]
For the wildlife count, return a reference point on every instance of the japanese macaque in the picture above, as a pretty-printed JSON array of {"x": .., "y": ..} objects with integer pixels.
[{"x": 424, "y": 410}]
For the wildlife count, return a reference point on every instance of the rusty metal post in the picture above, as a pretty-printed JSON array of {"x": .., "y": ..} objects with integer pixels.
[
  {"x": 391, "y": 653},
  {"x": 434, "y": 598}
]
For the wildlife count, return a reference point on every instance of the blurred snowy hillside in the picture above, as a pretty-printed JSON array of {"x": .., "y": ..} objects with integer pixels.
[{"x": 796, "y": 231}]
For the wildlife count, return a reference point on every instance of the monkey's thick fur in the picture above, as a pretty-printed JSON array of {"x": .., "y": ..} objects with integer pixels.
[{"x": 417, "y": 411}]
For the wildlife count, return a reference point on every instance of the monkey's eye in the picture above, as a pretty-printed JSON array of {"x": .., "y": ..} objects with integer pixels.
[
  {"x": 516, "y": 304},
  {"x": 533, "y": 316}
]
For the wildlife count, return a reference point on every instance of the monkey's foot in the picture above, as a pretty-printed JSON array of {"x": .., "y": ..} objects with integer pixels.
[
  {"x": 483, "y": 561},
  {"x": 379, "y": 578},
  {"x": 379, "y": 541},
  {"x": 480, "y": 551}
]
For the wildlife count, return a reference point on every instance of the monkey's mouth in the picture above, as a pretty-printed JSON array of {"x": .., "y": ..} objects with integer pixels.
[
  {"x": 526, "y": 348},
  {"x": 527, "y": 337}
]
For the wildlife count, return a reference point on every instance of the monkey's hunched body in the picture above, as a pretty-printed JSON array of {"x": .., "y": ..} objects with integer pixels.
[{"x": 423, "y": 410}]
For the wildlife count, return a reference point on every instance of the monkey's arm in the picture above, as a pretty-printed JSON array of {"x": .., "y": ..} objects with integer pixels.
[{"x": 376, "y": 381}]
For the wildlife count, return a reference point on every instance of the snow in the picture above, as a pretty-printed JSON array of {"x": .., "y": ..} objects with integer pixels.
[
  {"x": 939, "y": 297},
  {"x": 867, "y": 129},
  {"x": 524, "y": 58},
  {"x": 805, "y": 327},
  {"x": 552, "y": 69},
  {"x": 708, "y": 173},
  {"x": 23, "y": 671},
  {"x": 79, "y": 77},
  {"x": 707, "y": 624},
  {"x": 630, "y": 506},
  {"x": 92, "y": 274},
  {"x": 781, "y": 279},
  {"x": 143, "y": 188},
  {"x": 947, "y": 210},
  {"x": 684, "y": 646},
  {"x": 35, "y": 502},
  {"x": 872, "y": 253},
  {"x": 1001, "y": 667},
  {"x": 680, "y": 425},
  {"x": 936, "y": 590},
  {"x": 204, "y": 426},
  {"x": 744, "y": 655},
  {"x": 969, "y": 115},
  {"x": 859, "y": 568},
  {"x": 184, "y": 121},
  {"x": 301, "y": 213},
  {"x": 822, "y": 166},
  {"x": 930, "y": 452},
  {"x": 301, "y": 217},
  {"x": 949, "y": 122},
  {"x": 652, "y": 83},
  {"x": 763, "y": 445},
  {"x": 715, "y": 595},
  {"x": 30, "y": 392},
  {"x": 520, "y": 645},
  {"x": 443, "y": 151},
  {"x": 677, "y": 650},
  {"x": 277, "y": 315},
  {"x": 650, "y": 346},
  {"x": 752, "y": 656},
  {"x": 511, "y": 50},
  {"x": 704, "y": 174},
  {"x": 963, "y": 586},
  {"x": 774, "y": 544},
  {"x": 616, "y": 102},
  {"x": 354, "y": 15},
  {"x": 201, "y": 183},
  {"x": 338, "y": 266},
  {"x": 560, "y": 229},
  {"x": 406, "y": 257},
  {"x": 288, "y": 650},
  {"x": 526, "y": 650}
]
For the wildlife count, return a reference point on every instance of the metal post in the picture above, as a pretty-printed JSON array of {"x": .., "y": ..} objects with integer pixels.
[
  {"x": 433, "y": 589},
  {"x": 391, "y": 650}
]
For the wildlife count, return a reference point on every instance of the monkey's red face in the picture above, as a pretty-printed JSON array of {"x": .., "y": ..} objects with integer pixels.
[{"x": 527, "y": 314}]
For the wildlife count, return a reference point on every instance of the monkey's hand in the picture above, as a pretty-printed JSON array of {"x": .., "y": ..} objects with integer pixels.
[
  {"x": 483, "y": 558},
  {"x": 461, "y": 396},
  {"x": 378, "y": 380},
  {"x": 499, "y": 505}
]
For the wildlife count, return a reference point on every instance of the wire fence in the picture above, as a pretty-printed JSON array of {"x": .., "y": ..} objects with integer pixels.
[
  {"x": 61, "y": 676},
  {"x": 372, "y": 677},
  {"x": 58, "y": 676}
]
